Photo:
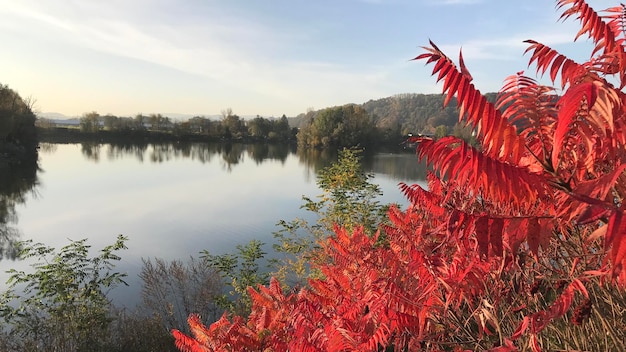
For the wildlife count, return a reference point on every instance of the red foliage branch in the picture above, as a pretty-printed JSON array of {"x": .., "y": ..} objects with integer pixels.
[
  {"x": 586, "y": 135},
  {"x": 482, "y": 175},
  {"x": 497, "y": 135}
]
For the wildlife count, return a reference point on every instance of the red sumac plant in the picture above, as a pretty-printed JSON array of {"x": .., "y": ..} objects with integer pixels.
[{"x": 518, "y": 243}]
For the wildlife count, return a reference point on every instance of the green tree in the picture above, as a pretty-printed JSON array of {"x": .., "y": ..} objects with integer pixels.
[
  {"x": 240, "y": 270},
  {"x": 140, "y": 122},
  {"x": 62, "y": 305},
  {"x": 200, "y": 125},
  {"x": 280, "y": 129},
  {"x": 441, "y": 131},
  {"x": 113, "y": 123},
  {"x": 259, "y": 127},
  {"x": 342, "y": 126},
  {"x": 90, "y": 122},
  {"x": 465, "y": 133},
  {"x": 159, "y": 122},
  {"x": 18, "y": 136},
  {"x": 232, "y": 125},
  {"x": 349, "y": 199},
  {"x": 18, "y": 162}
]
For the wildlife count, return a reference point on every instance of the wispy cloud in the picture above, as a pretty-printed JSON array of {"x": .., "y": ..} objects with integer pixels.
[
  {"x": 21, "y": 10},
  {"x": 217, "y": 48},
  {"x": 503, "y": 48}
]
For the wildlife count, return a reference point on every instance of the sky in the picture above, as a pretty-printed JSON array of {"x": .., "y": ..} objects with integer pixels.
[{"x": 260, "y": 57}]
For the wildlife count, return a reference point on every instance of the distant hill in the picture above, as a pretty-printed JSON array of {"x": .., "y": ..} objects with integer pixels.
[{"x": 54, "y": 116}]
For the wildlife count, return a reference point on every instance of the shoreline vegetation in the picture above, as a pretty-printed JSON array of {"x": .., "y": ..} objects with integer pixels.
[{"x": 381, "y": 122}]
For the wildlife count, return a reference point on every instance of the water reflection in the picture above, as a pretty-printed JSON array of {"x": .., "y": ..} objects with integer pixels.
[
  {"x": 231, "y": 154},
  {"x": 316, "y": 159},
  {"x": 399, "y": 165},
  {"x": 262, "y": 152},
  {"x": 91, "y": 150},
  {"x": 16, "y": 182},
  {"x": 119, "y": 150}
]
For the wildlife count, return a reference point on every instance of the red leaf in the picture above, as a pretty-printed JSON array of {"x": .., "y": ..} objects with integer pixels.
[
  {"x": 492, "y": 128},
  {"x": 515, "y": 234},
  {"x": 464, "y": 69},
  {"x": 594, "y": 192},
  {"x": 521, "y": 328},
  {"x": 495, "y": 235},
  {"x": 481, "y": 227},
  {"x": 569, "y": 105},
  {"x": 454, "y": 222},
  {"x": 615, "y": 239},
  {"x": 545, "y": 232},
  {"x": 556, "y": 64},
  {"x": 591, "y": 214},
  {"x": 533, "y": 236}
]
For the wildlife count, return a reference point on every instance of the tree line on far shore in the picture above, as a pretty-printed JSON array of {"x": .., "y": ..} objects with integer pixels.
[
  {"x": 386, "y": 121},
  {"x": 229, "y": 127}
]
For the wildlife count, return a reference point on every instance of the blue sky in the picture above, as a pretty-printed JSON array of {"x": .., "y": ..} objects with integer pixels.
[{"x": 265, "y": 57}]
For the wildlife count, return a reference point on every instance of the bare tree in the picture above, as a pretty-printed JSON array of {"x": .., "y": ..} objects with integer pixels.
[
  {"x": 227, "y": 112},
  {"x": 173, "y": 290}
]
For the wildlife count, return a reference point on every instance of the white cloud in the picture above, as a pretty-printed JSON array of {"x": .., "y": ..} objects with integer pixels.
[{"x": 505, "y": 48}]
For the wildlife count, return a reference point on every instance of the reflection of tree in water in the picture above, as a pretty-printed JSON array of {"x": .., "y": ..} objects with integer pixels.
[
  {"x": 259, "y": 152},
  {"x": 399, "y": 166},
  {"x": 162, "y": 152},
  {"x": 262, "y": 152},
  {"x": 316, "y": 159},
  {"x": 91, "y": 150},
  {"x": 231, "y": 153},
  {"x": 120, "y": 149},
  {"x": 16, "y": 181},
  {"x": 48, "y": 148},
  {"x": 202, "y": 152},
  {"x": 403, "y": 167}
]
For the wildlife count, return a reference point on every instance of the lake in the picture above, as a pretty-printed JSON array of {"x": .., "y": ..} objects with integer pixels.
[{"x": 174, "y": 200}]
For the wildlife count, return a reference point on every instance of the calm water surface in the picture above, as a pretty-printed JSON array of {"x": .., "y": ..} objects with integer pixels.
[{"x": 173, "y": 201}]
